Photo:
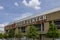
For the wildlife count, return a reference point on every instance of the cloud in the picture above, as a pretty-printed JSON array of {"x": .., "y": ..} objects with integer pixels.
[
  {"x": 1, "y": 7},
  {"x": 33, "y": 4},
  {"x": 2, "y": 26},
  {"x": 16, "y": 4},
  {"x": 24, "y": 16}
]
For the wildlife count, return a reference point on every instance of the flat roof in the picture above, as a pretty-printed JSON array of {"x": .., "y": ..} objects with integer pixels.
[{"x": 38, "y": 14}]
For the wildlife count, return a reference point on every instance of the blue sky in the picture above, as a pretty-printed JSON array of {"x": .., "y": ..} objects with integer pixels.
[{"x": 12, "y": 10}]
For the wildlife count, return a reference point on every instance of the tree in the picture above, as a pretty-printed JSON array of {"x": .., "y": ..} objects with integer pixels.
[
  {"x": 11, "y": 33},
  {"x": 0, "y": 35},
  {"x": 19, "y": 34},
  {"x": 53, "y": 31},
  {"x": 33, "y": 32},
  {"x": 5, "y": 35}
]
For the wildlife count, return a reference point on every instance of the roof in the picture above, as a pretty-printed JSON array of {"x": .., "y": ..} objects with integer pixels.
[{"x": 38, "y": 14}]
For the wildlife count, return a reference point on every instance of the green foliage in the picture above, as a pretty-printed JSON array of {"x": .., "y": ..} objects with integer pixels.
[
  {"x": 53, "y": 31},
  {"x": 1, "y": 35},
  {"x": 19, "y": 34},
  {"x": 11, "y": 33},
  {"x": 5, "y": 35},
  {"x": 33, "y": 32}
]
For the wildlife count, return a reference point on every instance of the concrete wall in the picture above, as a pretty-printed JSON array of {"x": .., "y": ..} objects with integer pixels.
[{"x": 53, "y": 16}]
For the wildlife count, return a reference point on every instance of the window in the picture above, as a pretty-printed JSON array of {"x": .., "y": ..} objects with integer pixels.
[
  {"x": 57, "y": 23},
  {"x": 38, "y": 26},
  {"x": 23, "y": 29},
  {"x": 42, "y": 26},
  {"x": 50, "y": 22},
  {"x": 6, "y": 31},
  {"x": 41, "y": 17},
  {"x": 14, "y": 29}
]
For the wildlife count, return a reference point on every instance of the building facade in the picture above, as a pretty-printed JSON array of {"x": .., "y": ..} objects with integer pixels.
[{"x": 41, "y": 21}]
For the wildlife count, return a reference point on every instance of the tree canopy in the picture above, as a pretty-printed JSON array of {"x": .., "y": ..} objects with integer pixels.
[
  {"x": 0, "y": 35},
  {"x": 53, "y": 31},
  {"x": 4, "y": 35},
  {"x": 33, "y": 32},
  {"x": 11, "y": 33},
  {"x": 18, "y": 34}
]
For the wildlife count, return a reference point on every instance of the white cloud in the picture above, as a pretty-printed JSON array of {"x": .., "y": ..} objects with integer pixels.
[
  {"x": 23, "y": 16},
  {"x": 1, "y": 7},
  {"x": 33, "y": 4},
  {"x": 2, "y": 26},
  {"x": 16, "y": 4}
]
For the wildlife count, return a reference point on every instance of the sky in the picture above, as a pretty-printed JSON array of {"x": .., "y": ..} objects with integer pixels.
[{"x": 12, "y": 10}]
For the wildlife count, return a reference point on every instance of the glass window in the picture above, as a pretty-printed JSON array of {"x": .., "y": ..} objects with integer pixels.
[
  {"x": 23, "y": 29},
  {"x": 57, "y": 23},
  {"x": 38, "y": 26},
  {"x": 6, "y": 31},
  {"x": 41, "y": 17},
  {"x": 50, "y": 22},
  {"x": 43, "y": 26},
  {"x": 26, "y": 21}
]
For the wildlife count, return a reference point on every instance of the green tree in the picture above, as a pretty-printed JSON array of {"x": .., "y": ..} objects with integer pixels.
[
  {"x": 11, "y": 33},
  {"x": 5, "y": 35},
  {"x": 0, "y": 35},
  {"x": 19, "y": 34},
  {"x": 53, "y": 31},
  {"x": 33, "y": 32}
]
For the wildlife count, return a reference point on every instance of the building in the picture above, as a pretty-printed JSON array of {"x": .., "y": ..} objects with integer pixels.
[
  {"x": 1, "y": 31},
  {"x": 41, "y": 21}
]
